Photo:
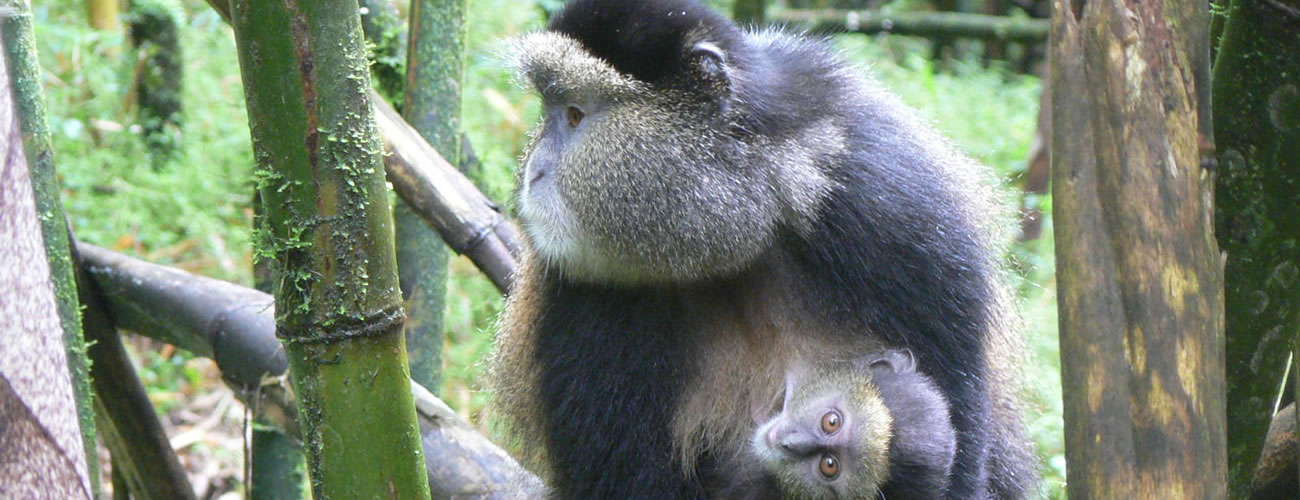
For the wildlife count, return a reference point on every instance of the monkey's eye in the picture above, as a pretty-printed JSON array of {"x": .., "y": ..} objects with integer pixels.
[
  {"x": 831, "y": 422},
  {"x": 575, "y": 116},
  {"x": 829, "y": 466}
]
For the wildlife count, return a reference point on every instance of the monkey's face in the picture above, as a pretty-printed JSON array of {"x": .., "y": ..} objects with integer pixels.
[
  {"x": 628, "y": 183},
  {"x": 830, "y": 440}
]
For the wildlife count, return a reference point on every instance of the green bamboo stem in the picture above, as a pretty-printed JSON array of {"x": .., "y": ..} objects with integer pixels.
[
  {"x": 329, "y": 230},
  {"x": 1258, "y": 145},
  {"x": 470, "y": 223},
  {"x": 275, "y": 464},
  {"x": 435, "y": 68},
  {"x": 277, "y": 468}
]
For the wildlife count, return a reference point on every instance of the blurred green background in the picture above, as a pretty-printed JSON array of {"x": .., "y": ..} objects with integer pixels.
[{"x": 195, "y": 212}]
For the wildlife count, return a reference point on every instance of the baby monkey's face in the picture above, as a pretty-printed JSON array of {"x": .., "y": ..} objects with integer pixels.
[{"x": 831, "y": 437}]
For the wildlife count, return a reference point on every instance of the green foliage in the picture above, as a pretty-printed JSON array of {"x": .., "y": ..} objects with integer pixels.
[
  {"x": 194, "y": 215},
  {"x": 197, "y": 215}
]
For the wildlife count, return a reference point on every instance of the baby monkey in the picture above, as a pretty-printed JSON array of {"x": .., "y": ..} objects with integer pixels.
[{"x": 862, "y": 429}]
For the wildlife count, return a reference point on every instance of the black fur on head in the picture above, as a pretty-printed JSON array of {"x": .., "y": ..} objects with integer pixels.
[{"x": 655, "y": 42}]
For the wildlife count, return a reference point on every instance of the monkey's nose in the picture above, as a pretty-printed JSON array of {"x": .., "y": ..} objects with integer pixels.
[
  {"x": 540, "y": 164},
  {"x": 792, "y": 440}
]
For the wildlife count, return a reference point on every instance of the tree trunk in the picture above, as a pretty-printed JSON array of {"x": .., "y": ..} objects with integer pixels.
[
  {"x": 1258, "y": 144},
  {"x": 47, "y": 428},
  {"x": 1038, "y": 174},
  {"x": 1275, "y": 478},
  {"x": 1139, "y": 272},
  {"x": 329, "y": 227}
]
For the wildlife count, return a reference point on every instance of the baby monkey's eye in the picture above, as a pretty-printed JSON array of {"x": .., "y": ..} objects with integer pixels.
[
  {"x": 829, "y": 466},
  {"x": 831, "y": 422},
  {"x": 575, "y": 116}
]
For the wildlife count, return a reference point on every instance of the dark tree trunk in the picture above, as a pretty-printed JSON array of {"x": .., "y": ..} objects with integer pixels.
[{"x": 1139, "y": 272}]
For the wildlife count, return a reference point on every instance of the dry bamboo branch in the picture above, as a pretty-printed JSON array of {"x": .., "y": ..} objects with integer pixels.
[
  {"x": 927, "y": 24},
  {"x": 467, "y": 220}
]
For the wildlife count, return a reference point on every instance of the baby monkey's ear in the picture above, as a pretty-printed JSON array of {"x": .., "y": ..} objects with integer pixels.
[{"x": 892, "y": 361}]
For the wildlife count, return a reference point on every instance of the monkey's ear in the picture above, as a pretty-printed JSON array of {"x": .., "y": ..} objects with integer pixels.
[
  {"x": 709, "y": 63},
  {"x": 893, "y": 361}
]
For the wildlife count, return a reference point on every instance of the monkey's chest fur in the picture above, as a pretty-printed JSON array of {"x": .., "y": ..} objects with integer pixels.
[{"x": 677, "y": 378}]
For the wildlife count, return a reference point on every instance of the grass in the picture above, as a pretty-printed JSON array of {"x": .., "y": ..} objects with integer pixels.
[{"x": 194, "y": 213}]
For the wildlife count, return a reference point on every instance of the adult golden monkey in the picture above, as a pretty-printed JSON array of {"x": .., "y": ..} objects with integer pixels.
[{"x": 706, "y": 207}]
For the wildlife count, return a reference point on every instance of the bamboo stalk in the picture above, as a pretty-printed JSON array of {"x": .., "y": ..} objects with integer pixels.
[
  {"x": 432, "y": 104},
  {"x": 142, "y": 454},
  {"x": 470, "y": 223},
  {"x": 329, "y": 227}
]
